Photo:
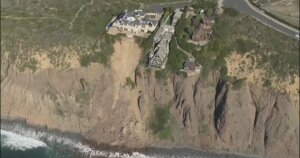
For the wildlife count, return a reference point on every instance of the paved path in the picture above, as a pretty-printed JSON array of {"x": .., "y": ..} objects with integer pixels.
[
  {"x": 184, "y": 51},
  {"x": 247, "y": 8}
]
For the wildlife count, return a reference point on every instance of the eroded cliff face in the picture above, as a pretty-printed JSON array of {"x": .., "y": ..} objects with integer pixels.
[
  {"x": 249, "y": 119},
  {"x": 208, "y": 113}
]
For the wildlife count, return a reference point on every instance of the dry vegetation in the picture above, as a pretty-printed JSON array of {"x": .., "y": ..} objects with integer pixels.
[
  {"x": 285, "y": 10},
  {"x": 271, "y": 56},
  {"x": 260, "y": 54},
  {"x": 67, "y": 32}
]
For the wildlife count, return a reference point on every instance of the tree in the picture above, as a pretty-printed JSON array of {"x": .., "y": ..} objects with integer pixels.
[
  {"x": 210, "y": 12},
  {"x": 190, "y": 30},
  {"x": 196, "y": 20}
]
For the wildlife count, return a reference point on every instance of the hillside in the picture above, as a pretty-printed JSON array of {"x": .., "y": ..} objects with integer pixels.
[
  {"x": 285, "y": 10},
  {"x": 60, "y": 69}
]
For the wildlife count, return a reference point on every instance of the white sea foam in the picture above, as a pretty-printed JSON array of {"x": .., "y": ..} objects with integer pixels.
[
  {"x": 52, "y": 139},
  {"x": 18, "y": 142}
]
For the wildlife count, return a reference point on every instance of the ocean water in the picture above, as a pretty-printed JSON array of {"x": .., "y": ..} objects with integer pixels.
[
  {"x": 21, "y": 141},
  {"x": 16, "y": 146}
]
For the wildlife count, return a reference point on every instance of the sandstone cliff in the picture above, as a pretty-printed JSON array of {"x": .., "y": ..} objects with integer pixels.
[{"x": 208, "y": 113}]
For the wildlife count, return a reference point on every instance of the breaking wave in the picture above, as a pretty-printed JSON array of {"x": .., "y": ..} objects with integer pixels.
[
  {"x": 18, "y": 133},
  {"x": 18, "y": 142},
  {"x": 22, "y": 138}
]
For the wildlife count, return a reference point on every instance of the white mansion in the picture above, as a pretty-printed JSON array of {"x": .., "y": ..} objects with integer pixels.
[{"x": 137, "y": 21}]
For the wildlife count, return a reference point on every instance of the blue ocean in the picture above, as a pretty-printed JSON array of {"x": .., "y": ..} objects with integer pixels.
[{"x": 19, "y": 140}]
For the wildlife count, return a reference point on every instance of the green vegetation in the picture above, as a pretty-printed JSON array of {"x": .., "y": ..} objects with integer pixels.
[
  {"x": 185, "y": 29},
  {"x": 102, "y": 56},
  {"x": 203, "y": 129},
  {"x": 231, "y": 12},
  {"x": 238, "y": 83},
  {"x": 146, "y": 43},
  {"x": 85, "y": 60},
  {"x": 274, "y": 51},
  {"x": 161, "y": 122},
  {"x": 154, "y": 1},
  {"x": 176, "y": 58},
  {"x": 182, "y": 74},
  {"x": 292, "y": 20},
  {"x": 30, "y": 63},
  {"x": 267, "y": 83},
  {"x": 130, "y": 83},
  {"x": 138, "y": 72},
  {"x": 161, "y": 75},
  {"x": 52, "y": 96},
  {"x": 223, "y": 72},
  {"x": 82, "y": 98},
  {"x": 205, "y": 4},
  {"x": 53, "y": 24},
  {"x": 26, "y": 28},
  {"x": 244, "y": 46},
  {"x": 58, "y": 109},
  {"x": 167, "y": 13}
]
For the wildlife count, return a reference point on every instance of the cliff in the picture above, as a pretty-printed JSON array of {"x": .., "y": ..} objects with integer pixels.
[{"x": 102, "y": 104}]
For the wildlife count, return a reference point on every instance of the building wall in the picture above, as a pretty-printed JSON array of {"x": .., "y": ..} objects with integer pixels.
[{"x": 134, "y": 29}]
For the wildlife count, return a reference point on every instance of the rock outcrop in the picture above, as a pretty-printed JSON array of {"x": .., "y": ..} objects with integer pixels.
[{"x": 208, "y": 113}]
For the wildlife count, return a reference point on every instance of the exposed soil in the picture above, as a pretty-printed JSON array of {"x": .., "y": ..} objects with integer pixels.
[
  {"x": 245, "y": 66},
  {"x": 205, "y": 113}
]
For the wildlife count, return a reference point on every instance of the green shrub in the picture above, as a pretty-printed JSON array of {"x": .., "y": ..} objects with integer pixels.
[
  {"x": 244, "y": 46},
  {"x": 161, "y": 75},
  {"x": 85, "y": 60},
  {"x": 210, "y": 12},
  {"x": 223, "y": 72},
  {"x": 176, "y": 58},
  {"x": 130, "y": 83},
  {"x": 231, "y": 12},
  {"x": 267, "y": 83},
  {"x": 160, "y": 123},
  {"x": 138, "y": 72},
  {"x": 203, "y": 129},
  {"x": 82, "y": 97},
  {"x": 237, "y": 84},
  {"x": 205, "y": 4},
  {"x": 103, "y": 56},
  {"x": 196, "y": 21},
  {"x": 182, "y": 74},
  {"x": 30, "y": 63},
  {"x": 241, "y": 45}
]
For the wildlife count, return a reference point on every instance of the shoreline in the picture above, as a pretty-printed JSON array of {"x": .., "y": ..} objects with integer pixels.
[
  {"x": 148, "y": 151},
  {"x": 72, "y": 135}
]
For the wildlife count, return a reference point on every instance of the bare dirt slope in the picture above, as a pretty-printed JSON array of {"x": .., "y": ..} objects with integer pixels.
[
  {"x": 124, "y": 62},
  {"x": 204, "y": 113}
]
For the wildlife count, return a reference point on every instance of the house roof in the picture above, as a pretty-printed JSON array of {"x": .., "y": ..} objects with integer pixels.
[
  {"x": 190, "y": 64},
  {"x": 178, "y": 13},
  {"x": 161, "y": 50},
  {"x": 164, "y": 32},
  {"x": 136, "y": 17}
]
